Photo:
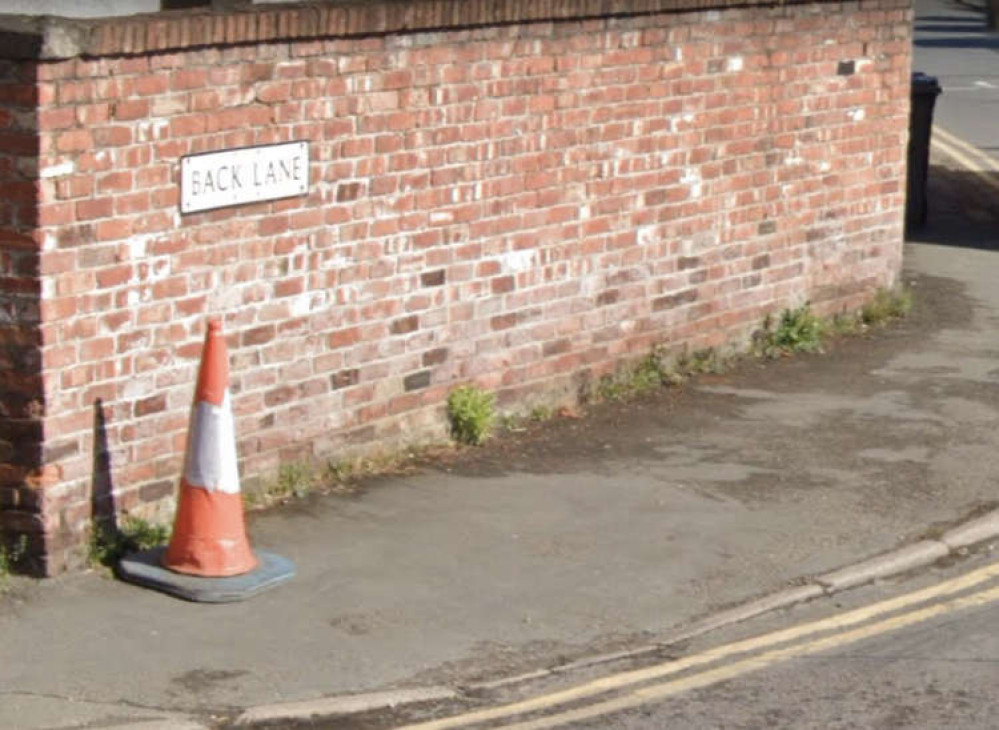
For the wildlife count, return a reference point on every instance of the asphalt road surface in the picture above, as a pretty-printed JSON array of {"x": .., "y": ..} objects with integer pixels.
[
  {"x": 921, "y": 651},
  {"x": 951, "y": 43},
  {"x": 940, "y": 673}
]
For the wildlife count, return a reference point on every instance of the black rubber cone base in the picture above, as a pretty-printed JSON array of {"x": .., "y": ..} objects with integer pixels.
[{"x": 145, "y": 569}]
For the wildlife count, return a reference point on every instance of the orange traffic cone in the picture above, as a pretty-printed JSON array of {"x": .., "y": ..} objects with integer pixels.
[{"x": 209, "y": 534}]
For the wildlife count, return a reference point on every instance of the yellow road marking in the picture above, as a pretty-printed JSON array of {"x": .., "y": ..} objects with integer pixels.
[
  {"x": 986, "y": 176},
  {"x": 949, "y": 138},
  {"x": 623, "y": 679},
  {"x": 646, "y": 695}
]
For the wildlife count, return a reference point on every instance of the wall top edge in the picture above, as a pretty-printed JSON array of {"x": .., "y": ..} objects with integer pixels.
[{"x": 48, "y": 38}]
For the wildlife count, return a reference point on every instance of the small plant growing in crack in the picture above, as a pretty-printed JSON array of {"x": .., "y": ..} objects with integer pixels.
[
  {"x": 796, "y": 330},
  {"x": 10, "y": 557},
  {"x": 472, "y": 412},
  {"x": 109, "y": 544}
]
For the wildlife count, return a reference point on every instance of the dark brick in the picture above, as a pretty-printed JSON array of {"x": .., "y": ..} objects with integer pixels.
[
  {"x": 688, "y": 262},
  {"x": 674, "y": 300},
  {"x": 153, "y": 404},
  {"x": 503, "y": 321},
  {"x": 156, "y": 490},
  {"x": 417, "y": 381},
  {"x": 435, "y": 357},
  {"x": 624, "y": 276},
  {"x": 556, "y": 347},
  {"x": 433, "y": 278},
  {"x": 608, "y": 297},
  {"x": 257, "y": 336},
  {"x": 362, "y": 435},
  {"x": 279, "y": 396},
  {"x": 761, "y": 262},
  {"x": 348, "y": 191},
  {"x": 8, "y": 497},
  {"x": 766, "y": 227},
  {"x": 344, "y": 378},
  {"x": 404, "y": 325},
  {"x": 846, "y": 68},
  {"x": 656, "y": 197}
]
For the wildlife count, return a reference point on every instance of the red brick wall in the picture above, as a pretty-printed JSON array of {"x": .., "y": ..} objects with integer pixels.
[
  {"x": 512, "y": 204},
  {"x": 22, "y": 481}
]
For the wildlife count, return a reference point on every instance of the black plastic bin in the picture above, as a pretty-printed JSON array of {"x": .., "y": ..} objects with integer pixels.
[{"x": 925, "y": 90}]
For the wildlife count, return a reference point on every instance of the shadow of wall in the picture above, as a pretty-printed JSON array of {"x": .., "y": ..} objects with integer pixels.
[{"x": 22, "y": 393}]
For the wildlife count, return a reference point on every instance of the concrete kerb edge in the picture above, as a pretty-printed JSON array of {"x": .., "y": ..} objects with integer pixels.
[
  {"x": 164, "y": 724},
  {"x": 342, "y": 705},
  {"x": 900, "y": 560}
]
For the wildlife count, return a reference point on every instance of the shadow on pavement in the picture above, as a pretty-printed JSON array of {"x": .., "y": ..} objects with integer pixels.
[
  {"x": 962, "y": 211},
  {"x": 953, "y": 25},
  {"x": 989, "y": 43}
]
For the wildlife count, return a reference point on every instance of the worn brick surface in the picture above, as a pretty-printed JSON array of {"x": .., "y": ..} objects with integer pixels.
[{"x": 514, "y": 204}]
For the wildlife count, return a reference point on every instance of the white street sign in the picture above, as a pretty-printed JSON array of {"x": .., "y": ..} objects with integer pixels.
[{"x": 244, "y": 175}]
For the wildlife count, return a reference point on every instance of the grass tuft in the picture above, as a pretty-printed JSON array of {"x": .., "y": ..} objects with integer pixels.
[
  {"x": 472, "y": 412},
  {"x": 887, "y": 305},
  {"x": 108, "y": 545},
  {"x": 797, "y": 330},
  {"x": 10, "y": 556}
]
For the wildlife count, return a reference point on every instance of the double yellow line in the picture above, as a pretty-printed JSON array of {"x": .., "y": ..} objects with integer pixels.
[
  {"x": 627, "y": 690},
  {"x": 984, "y": 167}
]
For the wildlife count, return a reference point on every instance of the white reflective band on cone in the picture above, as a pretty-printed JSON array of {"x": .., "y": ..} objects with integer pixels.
[{"x": 211, "y": 448}]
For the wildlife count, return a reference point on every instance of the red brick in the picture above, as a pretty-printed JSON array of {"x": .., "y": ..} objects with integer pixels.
[
  {"x": 343, "y": 338},
  {"x": 96, "y": 208},
  {"x": 502, "y": 284},
  {"x": 131, "y": 109},
  {"x": 188, "y": 79},
  {"x": 115, "y": 136},
  {"x": 76, "y": 140},
  {"x": 58, "y": 118}
]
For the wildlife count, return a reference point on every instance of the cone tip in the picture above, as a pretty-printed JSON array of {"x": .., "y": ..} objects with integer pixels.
[{"x": 214, "y": 325}]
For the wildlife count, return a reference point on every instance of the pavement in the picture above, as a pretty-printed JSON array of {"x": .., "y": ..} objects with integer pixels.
[{"x": 576, "y": 539}]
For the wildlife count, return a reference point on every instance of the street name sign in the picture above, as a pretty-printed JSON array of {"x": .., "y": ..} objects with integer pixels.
[{"x": 245, "y": 175}]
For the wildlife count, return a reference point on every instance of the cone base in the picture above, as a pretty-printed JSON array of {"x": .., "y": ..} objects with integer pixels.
[{"x": 146, "y": 569}]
